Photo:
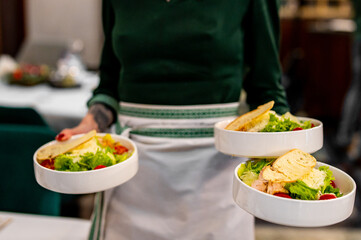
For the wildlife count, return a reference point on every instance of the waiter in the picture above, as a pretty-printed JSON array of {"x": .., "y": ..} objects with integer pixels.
[{"x": 171, "y": 69}]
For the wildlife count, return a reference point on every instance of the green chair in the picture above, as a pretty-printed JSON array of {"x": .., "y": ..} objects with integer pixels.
[
  {"x": 22, "y": 132},
  {"x": 21, "y": 115},
  {"x": 19, "y": 191}
]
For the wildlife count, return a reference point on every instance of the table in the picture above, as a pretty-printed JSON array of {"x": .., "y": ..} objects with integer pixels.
[
  {"x": 39, "y": 227},
  {"x": 60, "y": 107}
]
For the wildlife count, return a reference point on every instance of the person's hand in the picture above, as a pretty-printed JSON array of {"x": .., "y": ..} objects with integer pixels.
[{"x": 87, "y": 124}]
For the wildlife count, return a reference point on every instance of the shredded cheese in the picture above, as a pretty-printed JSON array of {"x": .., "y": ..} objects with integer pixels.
[
  {"x": 89, "y": 146},
  {"x": 314, "y": 179}
]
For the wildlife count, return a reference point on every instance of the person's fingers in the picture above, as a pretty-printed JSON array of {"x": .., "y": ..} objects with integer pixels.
[
  {"x": 68, "y": 132},
  {"x": 86, "y": 125},
  {"x": 65, "y": 135}
]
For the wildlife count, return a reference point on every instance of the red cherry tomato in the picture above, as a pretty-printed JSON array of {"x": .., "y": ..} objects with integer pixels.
[
  {"x": 18, "y": 74},
  {"x": 284, "y": 195},
  {"x": 119, "y": 149},
  {"x": 333, "y": 184},
  {"x": 312, "y": 125},
  {"x": 48, "y": 163},
  {"x": 99, "y": 167},
  {"x": 297, "y": 129},
  {"x": 327, "y": 196}
]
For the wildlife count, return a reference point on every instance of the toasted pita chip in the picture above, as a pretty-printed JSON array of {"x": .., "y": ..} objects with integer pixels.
[
  {"x": 249, "y": 119},
  {"x": 53, "y": 150}
]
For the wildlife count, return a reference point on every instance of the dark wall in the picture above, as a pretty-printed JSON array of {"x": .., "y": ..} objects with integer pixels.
[
  {"x": 12, "y": 26},
  {"x": 318, "y": 62}
]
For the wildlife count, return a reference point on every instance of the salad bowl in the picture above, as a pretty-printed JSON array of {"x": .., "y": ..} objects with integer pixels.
[
  {"x": 267, "y": 144},
  {"x": 84, "y": 182},
  {"x": 294, "y": 212}
]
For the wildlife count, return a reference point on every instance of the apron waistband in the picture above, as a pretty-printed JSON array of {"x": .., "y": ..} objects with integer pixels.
[
  {"x": 174, "y": 121},
  {"x": 178, "y": 112}
]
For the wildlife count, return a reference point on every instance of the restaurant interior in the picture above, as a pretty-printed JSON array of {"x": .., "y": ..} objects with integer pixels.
[{"x": 59, "y": 43}]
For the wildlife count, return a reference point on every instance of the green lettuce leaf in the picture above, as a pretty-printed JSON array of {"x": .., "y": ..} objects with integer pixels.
[
  {"x": 64, "y": 162},
  {"x": 282, "y": 124},
  {"x": 87, "y": 161},
  {"x": 248, "y": 172},
  {"x": 306, "y": 124},
  {"x": 299, "y": 190},
  {"x": 327, "y": 187},
  {"x": 92, "y": 160},
  {"x": 122, "y": 157}
]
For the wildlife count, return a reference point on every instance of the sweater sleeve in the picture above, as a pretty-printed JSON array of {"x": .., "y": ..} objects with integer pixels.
[
  {"x": 262, "y": 81},
  {"x": 107, "y": 90}
]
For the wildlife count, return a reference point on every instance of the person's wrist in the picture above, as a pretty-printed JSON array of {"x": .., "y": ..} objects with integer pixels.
[
  {"x": 101, "y": 116},
  {"x": 90, "y": 122}
]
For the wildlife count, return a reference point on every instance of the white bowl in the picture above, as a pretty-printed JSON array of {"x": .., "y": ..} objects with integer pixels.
[
  {"x": 267, "y": 144},
  {"x": 297, "y": 213},
  {"x": 88, "y": 181}
]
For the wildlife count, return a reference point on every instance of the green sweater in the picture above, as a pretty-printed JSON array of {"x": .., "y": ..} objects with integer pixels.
[{"x": 186, "y": 52}]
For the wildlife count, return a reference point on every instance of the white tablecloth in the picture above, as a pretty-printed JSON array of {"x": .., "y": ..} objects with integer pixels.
[
  {"x": 60, "y": 107},
  {"x": 40, "y": 227}
]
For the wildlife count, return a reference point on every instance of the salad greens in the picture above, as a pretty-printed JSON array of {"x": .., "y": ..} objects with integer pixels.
[
  {"x": 327, "y": 187},
  {"x": 105, "y": 153},
  {"x": 88, "y": 161},
  {"x": 284, "y": 124},
  {"x": 299, "y": 190},
  {"x": 249, "y": 171}
]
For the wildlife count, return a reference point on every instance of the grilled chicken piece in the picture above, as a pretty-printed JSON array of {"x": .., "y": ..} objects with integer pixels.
[
  {"x": 269, "y": 187},
  {"x": 260, "y": 184},
  {"x": 276, "y": 187}
]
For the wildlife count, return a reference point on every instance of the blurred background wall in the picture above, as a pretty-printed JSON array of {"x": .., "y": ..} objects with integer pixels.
[
  {"x": 65, "y": 23},
  {"x": 316, "y": 49}
]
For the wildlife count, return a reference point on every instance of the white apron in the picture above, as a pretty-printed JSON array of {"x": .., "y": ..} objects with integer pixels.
[{"x": 183, "y": 189}]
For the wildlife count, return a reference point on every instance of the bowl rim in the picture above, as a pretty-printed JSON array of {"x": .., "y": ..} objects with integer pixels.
[
  {"x": 354, "y": 186},
  {"x": 125, "y": 162},
  {"x": 318, "y": 125}
]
